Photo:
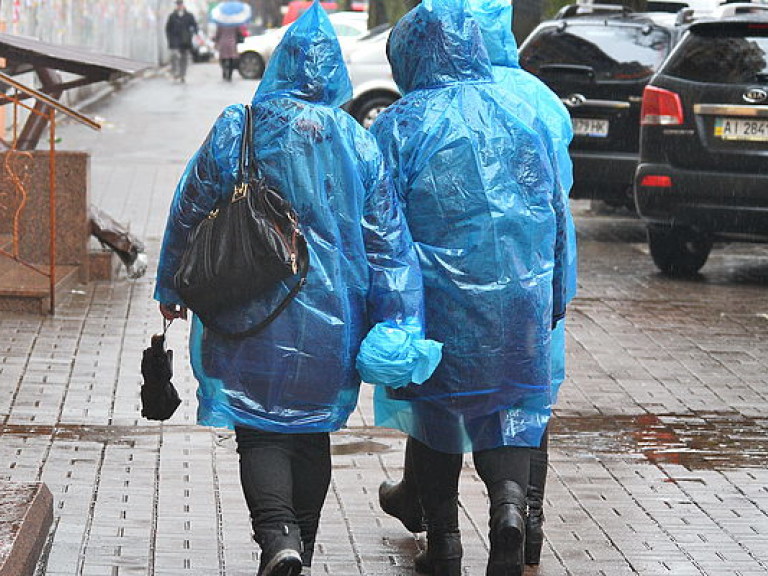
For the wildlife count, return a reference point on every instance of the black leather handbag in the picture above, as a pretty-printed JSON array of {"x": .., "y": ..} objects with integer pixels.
[{"x": 244, "y": 248}]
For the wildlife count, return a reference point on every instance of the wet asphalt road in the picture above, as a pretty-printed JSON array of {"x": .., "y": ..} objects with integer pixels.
[{"x": 659, "y": 449}]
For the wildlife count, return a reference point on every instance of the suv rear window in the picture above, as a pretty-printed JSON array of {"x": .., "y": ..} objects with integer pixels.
[
  {"x": 727, "y": 55},
  {"x": 613, "y": 52}
]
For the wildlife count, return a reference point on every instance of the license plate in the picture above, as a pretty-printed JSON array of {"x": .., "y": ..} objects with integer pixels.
[
  {"x": 592, "y": 127},
  {"x": 741, "y": 129}
]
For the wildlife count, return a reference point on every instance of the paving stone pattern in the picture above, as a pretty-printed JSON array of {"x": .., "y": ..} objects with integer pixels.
[{"x": 658, "y": 458}]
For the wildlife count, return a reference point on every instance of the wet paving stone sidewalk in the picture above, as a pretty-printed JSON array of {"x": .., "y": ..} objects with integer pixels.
[{"x": 659, "y": 451}]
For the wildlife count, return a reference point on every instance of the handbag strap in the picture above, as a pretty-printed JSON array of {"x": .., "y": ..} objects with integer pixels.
[
  {"x": 247, "y": 164},
  {"x": 245, "y": 145},
  {"x": 304, "y": 268}
]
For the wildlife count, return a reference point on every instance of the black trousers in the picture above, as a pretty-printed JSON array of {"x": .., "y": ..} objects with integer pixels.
[
  {"x": 436, "y": 475},
  {"x": 285, "y": 478}
]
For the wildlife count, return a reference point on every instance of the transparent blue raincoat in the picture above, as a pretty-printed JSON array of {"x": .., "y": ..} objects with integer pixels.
[
  {"x": 299, "y": 374},
  {"x": 477, "y": 189},
  {"x": 525, "y": 91}
]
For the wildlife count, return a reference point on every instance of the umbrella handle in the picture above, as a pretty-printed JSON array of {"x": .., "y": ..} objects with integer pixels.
[{"x": 166, "y": 325}]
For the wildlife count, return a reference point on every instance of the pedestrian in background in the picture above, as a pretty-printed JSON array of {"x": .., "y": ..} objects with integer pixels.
[
  {"x": 540, "y": 108},
  {"x": 180, "y": 27},
  {"x": 227, "y": 38},
  {"x": 477, "y": 188},
  {"x": 284, "y": 389}
]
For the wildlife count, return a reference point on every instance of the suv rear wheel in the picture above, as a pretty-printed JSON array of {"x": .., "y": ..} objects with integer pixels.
[{"x": 678, "y": 251}]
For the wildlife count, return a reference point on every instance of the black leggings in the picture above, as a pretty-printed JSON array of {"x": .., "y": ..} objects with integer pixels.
[
  {"x": 285, "y": 478},
  {"x": 436, "y": 474},
  {"x": 228, "y": 66}
]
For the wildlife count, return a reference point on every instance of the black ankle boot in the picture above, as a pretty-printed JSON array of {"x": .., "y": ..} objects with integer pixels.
[
  {"x": 280, "y": 554},
  {"x": 402, "y": 502},
  {"x": 507, "y": 532},
  {"x": 442, "y": 556},
  {"x": 307, "y": 552},
  {"x": 534, "y": 529},
  {"x": 534, "y": 523}
]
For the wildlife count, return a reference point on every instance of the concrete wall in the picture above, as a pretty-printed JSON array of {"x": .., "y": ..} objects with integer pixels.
[{"x": 131, "y": 28}]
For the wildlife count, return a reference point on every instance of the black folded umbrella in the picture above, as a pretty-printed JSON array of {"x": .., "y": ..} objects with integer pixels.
[{"x": 159, "y": 398}]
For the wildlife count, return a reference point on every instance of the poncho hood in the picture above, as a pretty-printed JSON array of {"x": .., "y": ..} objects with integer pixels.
[
  {"x": 494, "y": 17},
  {"x": 436, "y": 44},
  {"x": 308, "y": 63}
]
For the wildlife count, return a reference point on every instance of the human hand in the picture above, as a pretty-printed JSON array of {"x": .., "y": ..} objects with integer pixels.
[{"x": 173, "y": 311}]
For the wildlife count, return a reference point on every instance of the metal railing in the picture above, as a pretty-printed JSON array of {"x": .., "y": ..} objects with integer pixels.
[{"x": 17, "y": 170}]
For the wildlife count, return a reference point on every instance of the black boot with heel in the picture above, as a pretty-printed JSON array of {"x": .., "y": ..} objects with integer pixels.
[
  {"x": 280, "y": 551},
  {"x": 401, "y": 499},
  {"x": 534, "y": 525},
  {"x": 397, "y": 500},
  {"x": 507, "y": 529},
  {"x": 442, "y": 556},
  {"x": 444, "y": 551},
  {"x": 436, "y": 477}
]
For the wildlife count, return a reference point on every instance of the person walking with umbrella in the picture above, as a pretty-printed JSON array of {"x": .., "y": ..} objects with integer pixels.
[
  {"x": 229, "y": 18},
  {"x": 227, "y": 38},
  {"x": 179, "y": 30}
]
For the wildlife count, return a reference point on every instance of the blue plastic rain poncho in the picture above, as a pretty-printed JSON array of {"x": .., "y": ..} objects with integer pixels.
[
  {"x": 477, "y": 189},
  {"x": 525, "y": 92},
  {"x": 299, "y": 374}
]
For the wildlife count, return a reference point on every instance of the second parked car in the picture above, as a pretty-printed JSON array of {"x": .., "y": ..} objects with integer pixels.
[
  {"x": 373, "y": 88},
  {"x": 598, "y": 59},
  {"x": 703, "y": 173}
]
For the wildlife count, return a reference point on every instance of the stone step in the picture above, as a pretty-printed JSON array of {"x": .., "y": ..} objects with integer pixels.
[{"x": 25, "y": 290}]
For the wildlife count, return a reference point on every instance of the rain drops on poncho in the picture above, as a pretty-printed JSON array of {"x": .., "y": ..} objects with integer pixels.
[
  {"x": 476, "y": 187},
  {"x": 299, "y": 374}
]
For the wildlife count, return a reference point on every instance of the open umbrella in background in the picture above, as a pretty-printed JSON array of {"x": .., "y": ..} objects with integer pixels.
[{"x": 231, "y": 13}]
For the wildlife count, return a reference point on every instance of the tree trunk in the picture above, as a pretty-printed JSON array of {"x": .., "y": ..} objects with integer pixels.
[
  {"x": 387, "y": 11},
  {"x": 527, "y": 15}
]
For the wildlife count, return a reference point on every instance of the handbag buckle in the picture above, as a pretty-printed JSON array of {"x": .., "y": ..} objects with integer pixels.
[
  {"x": 213, "y": 214},
  {"x": 241, "y": 191}
]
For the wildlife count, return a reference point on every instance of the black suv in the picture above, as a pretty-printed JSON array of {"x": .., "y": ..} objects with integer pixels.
[
  {"x": 598, "y": 59},
  {"x": 703, "y": 172}
]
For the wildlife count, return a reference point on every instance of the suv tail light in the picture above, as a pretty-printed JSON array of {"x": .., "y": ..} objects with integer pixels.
[
  {"x": 655, "y": 181},
  {"x": 660, "y": 107}
]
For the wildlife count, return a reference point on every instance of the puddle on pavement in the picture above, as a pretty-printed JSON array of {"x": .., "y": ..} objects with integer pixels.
[
  {"x": 84, "y": 433},
  {"x": 348, "y": 447},
  {"x": 342, "y": 444},
  {"x": 698, "y": 441}
]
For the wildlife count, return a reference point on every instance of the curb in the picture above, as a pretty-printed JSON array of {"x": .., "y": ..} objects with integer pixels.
[{"x": 26, "y": 515}]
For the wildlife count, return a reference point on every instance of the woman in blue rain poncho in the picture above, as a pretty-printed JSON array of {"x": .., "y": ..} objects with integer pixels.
[
  {"x": 495, "y": 20},
  {"x": 477, "y": 189},
  {"x": 537, "y": 106},
  {"x": 286, "y": 388}
]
